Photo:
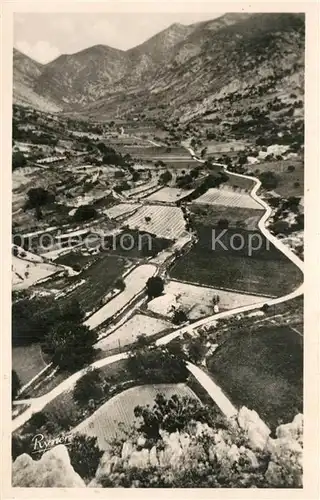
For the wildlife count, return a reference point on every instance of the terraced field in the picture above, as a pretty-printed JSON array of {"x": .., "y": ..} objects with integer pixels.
[
  {"x": 104, "y": 423},
  {"x": 207, "y": 215},
  {"x": 228, "y": 198},
  {"x": 126, "y": 334},
  {"x": 167, "y": 222},
  {"x": 121, "y": 209}
]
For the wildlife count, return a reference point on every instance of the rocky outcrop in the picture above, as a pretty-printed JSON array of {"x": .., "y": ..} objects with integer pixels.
[
  {"x": 53, "y": 470},
  {"x": 238, "y": 448}
]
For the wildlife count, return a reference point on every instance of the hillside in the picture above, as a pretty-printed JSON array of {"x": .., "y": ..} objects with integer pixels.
[{"x": 183, "y": 72}]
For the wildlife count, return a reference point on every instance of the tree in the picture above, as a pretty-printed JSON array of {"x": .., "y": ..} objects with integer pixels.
[
  {"x": 38, "y": 197},
  {"x": 70, "y": 345},
  {"x": 84, "y": 213},
  {"x": 269, "y": 180},
  {"x": 155, "y": 287},
  {"x": 15, "y": 384},
  {"x": 135, "y": 176},
  {"x": 280, "y": 227},
  {"x": 223, "y": 224},
  {"x": 18, "y": 160},
  {"x": 85, "y": 455},
  {"x": 165, "y": 177},
  {"x": 72, "y": 312},
  {"x": 90, "y": 386}
]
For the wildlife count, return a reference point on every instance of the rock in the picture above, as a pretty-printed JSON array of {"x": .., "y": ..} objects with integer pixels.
[
  {"x": 53, "y": 470},
  {"x": 257, "y": 431},
  {"x": 127, "y": 450},
  {"x": 153, "y": 457},
  {"x": 139, "y": 459}
]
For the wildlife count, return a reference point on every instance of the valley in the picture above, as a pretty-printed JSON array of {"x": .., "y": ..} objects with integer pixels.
[{"x": 157, "y": 237}]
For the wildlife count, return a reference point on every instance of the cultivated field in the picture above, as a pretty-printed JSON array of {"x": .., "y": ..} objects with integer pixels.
[
  {"x": 26, "y": 273},
  {"x": 128, "y": 333},
  {"x": 167, "y": 222},
  {"x": 207, "y": 215},
  {"x": 121, "y": 209},
  {"x": 266, "y": 272},
  {"x": 96, "y": 281},
  {"x": 104, "y": 423},
  {"x": 228, "y": 198},
  {"x": 134, "y": 284},
  {"x": 262, "y": 370},
  {"x": 197, "y": 301},
  {"x": 168, "y": 194}
]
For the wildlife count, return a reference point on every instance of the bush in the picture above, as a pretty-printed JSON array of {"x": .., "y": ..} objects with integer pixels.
[
  {"x": 18, "y": 160},
  {"x": 90, "y": 386},
  {"x": 269, "y": 180},
  {"x": 155, "y": 287},
  {"x": 70, "y": 345}
]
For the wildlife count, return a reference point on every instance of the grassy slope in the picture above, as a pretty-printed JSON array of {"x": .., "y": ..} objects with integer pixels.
[
  {"x": 266, "y": 272},
  {"x": 263, "y": 371},
  {"x": 27, "y": 361}
]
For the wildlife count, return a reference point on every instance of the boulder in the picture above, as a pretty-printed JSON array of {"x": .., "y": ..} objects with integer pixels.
[
  {"x": 53, "y": 470},
  {"x": 257, "y": 431}
]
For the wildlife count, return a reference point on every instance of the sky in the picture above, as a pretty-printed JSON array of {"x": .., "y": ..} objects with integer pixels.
[{"x": 44, "y": 36}]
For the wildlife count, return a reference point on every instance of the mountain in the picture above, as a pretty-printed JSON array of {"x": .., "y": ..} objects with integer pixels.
[
  {"x": 182, "y": 71},
  {"x": 82, "y": 77}
]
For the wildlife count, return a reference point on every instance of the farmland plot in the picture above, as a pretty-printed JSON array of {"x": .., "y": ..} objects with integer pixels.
[
  {"x": 170, "y": 194},
  {"x": 134, "y": 284},
  {"x": 26, "y": 273},
  {"x": 228, "y": 198},
  {"x": 104, "y": 423},
  {"x": 128, "y": 333},
  {"x": 138, "y": 190},
  {"x": 121, "y": 209},
  {"x": 167, "y": 222},
  {"x": 197, "y": 301},
  {"x": 247, "y": 218}
]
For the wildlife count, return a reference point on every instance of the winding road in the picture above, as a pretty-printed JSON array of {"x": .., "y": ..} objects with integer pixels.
[{"x": 215, "y": 392}]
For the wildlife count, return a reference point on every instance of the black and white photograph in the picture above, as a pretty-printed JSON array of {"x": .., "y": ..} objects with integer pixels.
[{"x": 157, "y": 249}]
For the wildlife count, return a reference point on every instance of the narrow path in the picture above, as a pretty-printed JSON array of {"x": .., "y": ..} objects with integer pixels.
[{"x": 213, "y": 390}]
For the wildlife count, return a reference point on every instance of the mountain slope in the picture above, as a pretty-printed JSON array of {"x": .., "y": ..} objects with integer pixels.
[
  {"x": 26, "y": 72},
  {"x": 82, "y": 77}
]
